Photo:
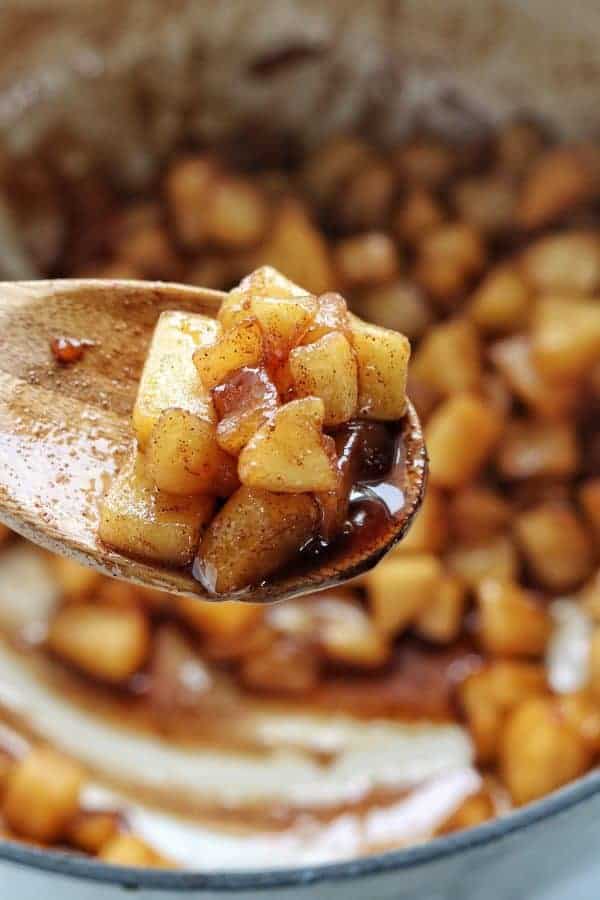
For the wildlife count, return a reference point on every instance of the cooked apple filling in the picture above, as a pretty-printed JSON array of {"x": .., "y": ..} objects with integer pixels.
[{"x": 246, "y": 431}]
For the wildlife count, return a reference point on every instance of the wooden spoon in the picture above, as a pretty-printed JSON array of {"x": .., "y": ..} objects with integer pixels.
[{"x": 64, "y": 429}]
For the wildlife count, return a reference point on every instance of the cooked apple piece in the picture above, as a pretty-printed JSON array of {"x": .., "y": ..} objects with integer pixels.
[
  {"x": 566, "y": 336},
  {"x": 283, "y": 322},
  {"x": 253, "y": 535},
  {"x": 289, "y": 453},
  {"x": 241, "y": 346},
  {"x": 243, "y": 404},
  {"x": 401, "y": 588},
  {"x": 41, "y": 795},
  {"x": 297, "y": 247},
  {"x": 327, "y": 369},
  {"x": 80, "y": 630},
  {"x": 139, "y": 520},
  {"x": 263, "y": 282},
  {"x": 183, "y": 457},
  {"x": 227, "y": 620},
  {"x": 74, "y": 580},
  {"x": 347, "y": 633},
  {"x": 170, "y": 377},
  {"x": 332, "y": 315},
  {"x": 382, "y": 357}
]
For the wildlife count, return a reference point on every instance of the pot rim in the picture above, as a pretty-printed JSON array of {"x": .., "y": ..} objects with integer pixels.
[{"x": 228, "y": 882}]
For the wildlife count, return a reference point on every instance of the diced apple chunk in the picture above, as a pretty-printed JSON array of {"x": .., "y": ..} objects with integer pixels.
[
  {"x": 289, "y": 453},
  {"x": 183, "y": 457},
  {"x": 170, "y": 377},
  {"x": 283, "y": 322},
  {"x": 263, "y": 282},
  {"x": 243, "y": 404},
  {"x": 110, "y": 643},
  {"x": 332, "y": 315},
  {"x": 253, "y": 535},
  {"x": 327, "y": 369},
  {"x": 139, "y": 520},
  {"x": 566, "y": 336},
  {"x": 241, "y": 346},
  {"x": 297, "y": 247},
  {"x": 382, "y": 357}
]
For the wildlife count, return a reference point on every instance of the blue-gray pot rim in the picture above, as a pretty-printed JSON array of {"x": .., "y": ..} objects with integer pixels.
[{"x": 76, "y": 866}]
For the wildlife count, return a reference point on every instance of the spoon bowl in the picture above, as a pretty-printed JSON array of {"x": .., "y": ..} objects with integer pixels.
[{"x": 64, "y": 430}]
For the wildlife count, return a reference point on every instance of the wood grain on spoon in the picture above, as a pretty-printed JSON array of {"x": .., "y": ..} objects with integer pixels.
[{"x": 64, "y": 428}]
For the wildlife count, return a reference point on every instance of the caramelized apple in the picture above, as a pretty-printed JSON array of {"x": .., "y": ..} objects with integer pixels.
[
  {"x": 243, "y": 404},
  {"x": 327, "y": 369},
  {"x": 289, "y": 453},
  {"x": 170, "y": 378},
  {"x": 140, "y": 520},
  {"x": 252, "y": 536}
]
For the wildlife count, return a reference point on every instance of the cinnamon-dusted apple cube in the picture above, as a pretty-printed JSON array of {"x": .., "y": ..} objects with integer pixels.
[
  {"x": 533, "y": 449},
  {"x": 382, "y": 358},
  {"x": 347, "y": 634},
  {"x": 289, "y": 453},
  {"x": 460, "y": 436},
  {"x": 331, "y": 315},
  {"x": 253, "y": 535},
  {"x": 128, "y": 850},
  {"x": 90, "y": 830},
  {"x": 477, "y": 512},
  {"x": 540, "y": 751},
  {"x": 283, "y": 321},
  {"x": 556, "y": 184},
  {"x": 297, "y": 248},
  {"x": 74, "y": 580},
  {"x": 188, "y": 184},
  {"x": 557, "y": 546},
  {"x": 489, "y": 695},
  {"x": 566, "y": 336},
  {"x": 107, "y": 642},
  {"x": 227, "y": 619},
  {"x": 491, "y": 557},
  {"x": 243, "y": 404},
  {"x": 442, "y": 619},
  {"x": 401, "y": 588},
  {"x": 367, "y": 259},
  {"x": 42, "y": 794},
  {"x": 236, "y": 213},
  {"x": 327, "y": 369},
  {"x": 511, "y": 620},
  {"x": 263, "y": 282},
  {"x": 241, "y": 345},
  {"x": 567, "y": 262},
  {"x": 170, "y": 377},
  {"x": 183, "y": 457},
  {"x": 449, "y": 357},
  {"x": 502, "y": 303},
  {"x": 399, "y": 306},
  {"x": 513, "y": 357},
  {"x": 139, "y": 520}
]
